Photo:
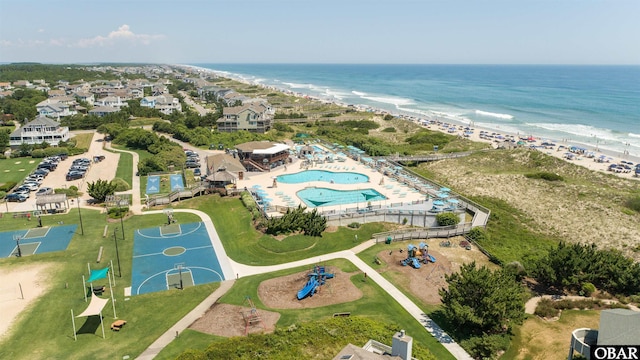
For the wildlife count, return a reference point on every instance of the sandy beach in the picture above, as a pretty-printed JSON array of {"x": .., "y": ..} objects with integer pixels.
[{"x": 438, "y": 120}]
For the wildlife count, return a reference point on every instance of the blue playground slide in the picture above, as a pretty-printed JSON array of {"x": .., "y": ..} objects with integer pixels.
[
  {"x": 415, "y": 263},
  {"x": 432, "y": 258},
  {"x": 308, "y": 289}
]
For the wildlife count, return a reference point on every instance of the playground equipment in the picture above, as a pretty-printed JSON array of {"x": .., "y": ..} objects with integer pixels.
[
  {"x": 251, "y": 317},
  {"x": 415, "y": 255},
  {"x": 316, "y": 278}
]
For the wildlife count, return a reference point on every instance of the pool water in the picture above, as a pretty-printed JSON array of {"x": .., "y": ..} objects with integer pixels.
[
  {"x": 316, "y": 197},
  {"x": 323, "y": 175}
]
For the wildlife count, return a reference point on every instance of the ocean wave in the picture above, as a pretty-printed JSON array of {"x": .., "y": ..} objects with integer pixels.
[
  {"x": 299, "y": 86},
  {"x": 390, "y": 100},
  {"x": 495, "y": 115},
  {"x": 358, "y": 93},
  {"x": 634, "y": 135},
  {"x": 585, "y": 131}
]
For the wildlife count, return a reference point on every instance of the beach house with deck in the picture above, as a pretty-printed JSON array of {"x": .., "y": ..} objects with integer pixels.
[
  {"x": 251, "y": 117},
  {"x": 40, "y": 130}
]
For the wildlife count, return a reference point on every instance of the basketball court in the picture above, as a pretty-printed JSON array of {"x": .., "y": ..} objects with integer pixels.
[
  {"x": 36, "y": 241},
  {"x": 173, "y": 256}
]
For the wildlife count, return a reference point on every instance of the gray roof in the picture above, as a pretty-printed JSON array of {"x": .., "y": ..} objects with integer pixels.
[
  {"x": 227, "y": 162},
  {"x": 619, "y": 327}
]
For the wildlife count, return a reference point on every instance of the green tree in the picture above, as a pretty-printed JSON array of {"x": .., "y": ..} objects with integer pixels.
[
  {"x": 478, "y": 301},
  {"x": 447, "y": 219},
  {"x": 100, "y": 189}
]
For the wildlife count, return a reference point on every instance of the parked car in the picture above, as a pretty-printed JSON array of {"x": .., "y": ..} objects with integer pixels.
[
  {"x": 74, "y": 175},
  {"x": 43, "y": 172},
  {"x": 82, "y": 160},
  {"x": 15, "y": 197},
  {"x": 48, "y": 166},
  {"x": 30, "y": 185},
  {"x": 98, "y": 158},
  {"x": 192, "y": 165},
  {"x": 197, "y": 172},
  {"x": 44, "y": 191},
  {"x": 79, "y": 168},
  {"x": 34, "y": 179},
  {"x": 22, "y": 190}
]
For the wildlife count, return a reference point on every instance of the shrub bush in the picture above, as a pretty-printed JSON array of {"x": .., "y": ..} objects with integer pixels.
[
  {"x": 447, "y": 219},
  {"x": 389, "y": 130},
  {"x": 546, "y": 308},
  {"x": 117, "y": 212},
  {"x": 588, "y": 289},
  {"x": 120, "y": 184},
  {"x": 544, "y": 175},
  {"x": 633, "y": 204},
  {"x": 8, "y": 186},
  {"x": 354, "y": 225}
]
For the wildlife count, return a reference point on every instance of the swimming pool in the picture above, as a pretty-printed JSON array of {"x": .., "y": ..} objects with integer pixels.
[
  {"x": 315, "y": 196},
  {"x": 323, "y": 175}
]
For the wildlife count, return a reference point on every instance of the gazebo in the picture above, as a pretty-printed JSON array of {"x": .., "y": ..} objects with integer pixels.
[
  {"x": 53, "y": 203},
  {"x": 221, "y": 178}
]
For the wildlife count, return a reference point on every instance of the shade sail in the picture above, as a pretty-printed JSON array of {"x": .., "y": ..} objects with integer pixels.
[
  {"x": 98, "y": 274},
  {"x": 95, "y": 306}
]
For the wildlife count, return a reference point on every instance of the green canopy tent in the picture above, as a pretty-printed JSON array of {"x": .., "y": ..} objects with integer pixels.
[{"x": 95, "y": 275}]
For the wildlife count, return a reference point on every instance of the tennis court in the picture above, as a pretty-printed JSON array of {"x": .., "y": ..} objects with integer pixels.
[
  {"x": 173, "y": 256},
  {"x": 153, "y": 185},
  {"x": 36, "y": 241},
  {"x": 176, "y": 182}
]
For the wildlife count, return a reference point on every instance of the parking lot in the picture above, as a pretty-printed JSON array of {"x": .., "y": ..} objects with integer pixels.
[{"x": 105, "y": 170}]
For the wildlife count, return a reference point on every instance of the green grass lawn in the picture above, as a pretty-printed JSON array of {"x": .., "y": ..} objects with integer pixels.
[
  {"x": 246, "y": 245},
  {"x": 83, "y": 141},
  {"x": 45, "y": 330},
  {"x": 16, "y": 169},
  {"x": 144, "y": 121},
  {"x": 125, "y": 167},
  {"x": 375, "y": 303}
]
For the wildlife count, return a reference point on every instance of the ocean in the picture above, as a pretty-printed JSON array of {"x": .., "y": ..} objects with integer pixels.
[{"x": 594, "y": 106}]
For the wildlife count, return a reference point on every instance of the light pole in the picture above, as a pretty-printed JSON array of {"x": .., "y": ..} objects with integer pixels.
[
  {"x": 121, "y": 216},
  {"x": 80, "y": 215},
  {"x": 115, "y": 240}
]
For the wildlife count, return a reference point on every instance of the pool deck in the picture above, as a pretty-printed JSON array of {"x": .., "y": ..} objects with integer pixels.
[{"x": 285, "y": 194}]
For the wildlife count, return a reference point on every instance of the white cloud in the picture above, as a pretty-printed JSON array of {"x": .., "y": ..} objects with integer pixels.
[
  {"x": 123, "y": 33},
  {"x": 40, "y": 30},
  {"x": 5, "y": 43}
]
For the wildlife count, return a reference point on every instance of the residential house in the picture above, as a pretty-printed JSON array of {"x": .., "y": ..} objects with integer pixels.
[
  {"x": 103, "y": 110},
  {"x": 87, "y": 97},
  {"x": 22, "y": 83},
  {"x": 111, "y": 101},
  {"x": 136, "y": 93},
  {"x": 165, "y": 103},
  {"x": 250, "y": 117},
  {"x": 5, "y": 86},
  {"x": 57, "y": 92},
  {"x": 54, "y": 109},
  {"x": 40, "y": 130},
  {"x": 617, "y": 327},
  {"x": 401, "y": 349}
]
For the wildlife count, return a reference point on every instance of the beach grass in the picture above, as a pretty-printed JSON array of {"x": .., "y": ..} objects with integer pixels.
[
  {"x": 246, "y": 245},
  {"x": 539, "y": 339},
  {"x": 45, "y": 331},
  {"x": 144, "y": 121}
]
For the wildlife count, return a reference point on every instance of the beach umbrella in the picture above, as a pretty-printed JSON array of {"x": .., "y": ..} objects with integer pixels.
[
  {"x": 442, "y": 195},
  {"x": 445, "y": 189},
  {"x": 438, "y": 203},
  {"x": 452, "y": 201}
]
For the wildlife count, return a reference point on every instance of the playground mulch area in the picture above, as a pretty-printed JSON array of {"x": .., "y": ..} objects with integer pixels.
[
  {"x": 281, "y": 293},
  {"x": 227, "y": 320},
  {"x": 425, "y": 282}
]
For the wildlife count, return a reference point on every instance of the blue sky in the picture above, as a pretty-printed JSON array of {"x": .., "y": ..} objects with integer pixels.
[{"x": 300, "y": 31}]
